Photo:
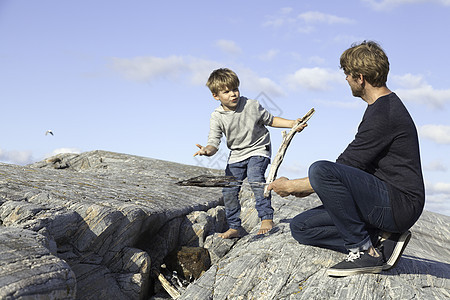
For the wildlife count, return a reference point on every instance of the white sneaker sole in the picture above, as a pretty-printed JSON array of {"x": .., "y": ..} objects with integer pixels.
[
  {"x": 348, "y": 272},
  {"x": 398, "y": 250}
]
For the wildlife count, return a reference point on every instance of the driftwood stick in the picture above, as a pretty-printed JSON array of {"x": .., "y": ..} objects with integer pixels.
[
  {"x": 214, "y": 181},
  {"x": 173, "y": 292},
  {"x": 282, "y": 150}
]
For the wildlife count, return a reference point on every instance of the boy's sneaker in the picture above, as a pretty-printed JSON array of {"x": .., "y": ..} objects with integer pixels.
[
  {"x": 393, "y": 247},
  {"x": 357, "y": 263}
]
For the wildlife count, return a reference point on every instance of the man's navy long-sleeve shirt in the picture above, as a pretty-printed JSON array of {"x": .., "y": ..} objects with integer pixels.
[{"x": 386, "y": 145}]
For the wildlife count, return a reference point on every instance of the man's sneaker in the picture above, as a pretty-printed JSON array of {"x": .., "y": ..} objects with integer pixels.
[
  {"x": 357, "y": 263},
  {"x": 393, "y": 247}
]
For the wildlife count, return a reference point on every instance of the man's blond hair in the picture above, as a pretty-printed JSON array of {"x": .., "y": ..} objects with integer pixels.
[
  {"x": 222, "y": 79},
  {"x": 367, "y": 59}
]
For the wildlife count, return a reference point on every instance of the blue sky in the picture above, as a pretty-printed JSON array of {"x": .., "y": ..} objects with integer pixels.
[{"x": 129, "y": 76}]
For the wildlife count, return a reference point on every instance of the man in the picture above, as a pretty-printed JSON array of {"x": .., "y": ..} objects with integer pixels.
[{"x": 374, "y": 192}]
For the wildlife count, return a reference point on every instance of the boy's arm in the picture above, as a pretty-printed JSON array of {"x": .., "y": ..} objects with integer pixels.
[
  {"x": 284, "y": 123},
  {"x": 207, "y": 151}
]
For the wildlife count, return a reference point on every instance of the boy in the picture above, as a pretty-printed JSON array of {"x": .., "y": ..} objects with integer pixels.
[{"x": 243, "y": 122}]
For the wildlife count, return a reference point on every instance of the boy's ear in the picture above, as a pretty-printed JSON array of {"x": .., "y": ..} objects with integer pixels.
[{"x": 215, "y": 96}]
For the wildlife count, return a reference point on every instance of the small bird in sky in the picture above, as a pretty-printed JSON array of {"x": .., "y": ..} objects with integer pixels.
[{"x": 49, "y": 132}]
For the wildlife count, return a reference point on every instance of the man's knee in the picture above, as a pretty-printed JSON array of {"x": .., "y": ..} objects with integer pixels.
[
  {"x": 319, "y": 171},
  {"x": 319, "y": 167},
  {"x": 300, "y": 229}
]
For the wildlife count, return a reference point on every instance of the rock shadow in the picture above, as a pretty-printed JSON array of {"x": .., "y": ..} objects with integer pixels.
[
  {"x": 258, "y": 237},
  {"x": 409, "y": 264}
]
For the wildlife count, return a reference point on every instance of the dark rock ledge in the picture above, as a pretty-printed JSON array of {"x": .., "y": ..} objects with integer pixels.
[{"x": 97, "y": 225}]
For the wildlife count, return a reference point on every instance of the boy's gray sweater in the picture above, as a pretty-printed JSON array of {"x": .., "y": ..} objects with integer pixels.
[{"x": 244, "y": 128}]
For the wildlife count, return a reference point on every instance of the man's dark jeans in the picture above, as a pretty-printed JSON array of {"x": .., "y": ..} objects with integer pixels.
[{"x": 355, "y": 207}]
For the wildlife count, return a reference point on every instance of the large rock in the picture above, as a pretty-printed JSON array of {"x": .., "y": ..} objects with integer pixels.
[
  {"x": 99, "y": 225},
  {"x": 104, "y": 218},
  {"x": 26, "y": 261},
  {"x": 275, "y": 266}
]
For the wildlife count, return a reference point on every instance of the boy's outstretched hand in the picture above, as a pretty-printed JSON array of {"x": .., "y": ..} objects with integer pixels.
[
  {"x": 301, "y": 127},
  {"x": 207, "y": 151}
]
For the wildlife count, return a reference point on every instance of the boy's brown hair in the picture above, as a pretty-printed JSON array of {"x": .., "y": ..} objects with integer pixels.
[
  {"x": 222, "y": 79},
  {"x": 367, "y": 59}
]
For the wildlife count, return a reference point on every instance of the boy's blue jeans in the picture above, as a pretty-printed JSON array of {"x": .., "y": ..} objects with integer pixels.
[
  {"x": 355, "y": 208},
  {"x": 252, "y": 168}
]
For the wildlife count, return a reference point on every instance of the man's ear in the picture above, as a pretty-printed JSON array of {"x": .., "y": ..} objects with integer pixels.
[{"x": 361, "y": 79}]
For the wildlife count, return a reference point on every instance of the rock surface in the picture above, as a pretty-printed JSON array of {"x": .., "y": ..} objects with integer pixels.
[
  {"x": 275, "y": 266},
  {"x": 104, "y": 218},
  {"x": 99, "y": 224}
]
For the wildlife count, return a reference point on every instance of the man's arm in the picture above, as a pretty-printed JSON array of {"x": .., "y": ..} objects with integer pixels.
[
  {"x": 298, "y": 187},
  {"x": 206, "y": 151}
]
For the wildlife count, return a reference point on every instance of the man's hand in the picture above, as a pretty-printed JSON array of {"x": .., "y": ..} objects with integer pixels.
[
  {"x": 207, "y": 151},
  {"x": 280, "y": 186},
  {"x": 297, "y": 187}
]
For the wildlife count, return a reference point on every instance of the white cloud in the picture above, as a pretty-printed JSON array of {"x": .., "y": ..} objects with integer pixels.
[
  {"x": 304, "y": 22},
  {"x": 436, "y": 165},
  {"x": 311, "y": 18},
  {"x": 195, "y": 70},
  {"x": 294, "y": 169},
  {"x": 414, "y": 88},
  {"x": 409, "y": 81},
  {"x": 315, "y": 79},
  {"x": 305, "y": 29},
  {"x": 438, "y": 188},
  {"x": 229, "y": 47},
  {"x": 269, "y": 55},
  {"x": 391, "y": 4},
  {"x": 280, "y": 19},
  {"x": 26, "y": 157},
  {"x": 286, "y": 10},
  {"x": 16, "y": 157},
  {"x": 347, "y": 39},
  {"x": 316, "y": 60},
  {"x": 198, "y": 70},
  {"x": 150, "y": 67},
  {"x": 318, "y": 17},
  {"x": 437, "y": 197},
  {"x": 257, "y": 84},
  {"x": 427, "y": 95},
  {"x": 65, "y": 150},
  {"x": 173, "y": 68},
  {"x": 437, "y": 133},
  {"x": 439, "y": 203}
]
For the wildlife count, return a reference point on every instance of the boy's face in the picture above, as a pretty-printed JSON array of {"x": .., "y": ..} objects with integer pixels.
[{"x": 228, "y": 98}]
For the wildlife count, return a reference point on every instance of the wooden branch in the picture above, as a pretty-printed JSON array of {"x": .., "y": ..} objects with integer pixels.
[
  {"x": 282, "y": 150},
  {"x": 210, "y": 181},
  {"x": 173, "y": 292}
]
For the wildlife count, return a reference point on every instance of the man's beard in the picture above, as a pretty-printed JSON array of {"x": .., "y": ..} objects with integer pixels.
[{"x": 357, "y": 91}]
